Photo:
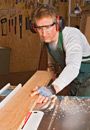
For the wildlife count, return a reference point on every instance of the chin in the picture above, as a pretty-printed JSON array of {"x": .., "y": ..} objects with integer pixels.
[{"x": 47, "y": 41}]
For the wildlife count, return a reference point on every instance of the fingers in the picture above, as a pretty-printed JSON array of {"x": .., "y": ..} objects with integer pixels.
[
  {"x": 34, "y": 92},
  {"x": 53, "y": 97},
  {"x": 36, "y": 88},
  {"x": 46, "y": 99},
  {"x": 42, "y": 99}
]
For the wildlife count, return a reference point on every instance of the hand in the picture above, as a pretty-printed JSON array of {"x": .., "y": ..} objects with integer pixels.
[
  {"x": 41, "y": 99},
  {"x": 45, "y": 93}
]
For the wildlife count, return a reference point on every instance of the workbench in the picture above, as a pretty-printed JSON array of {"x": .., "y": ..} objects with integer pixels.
[{"x": 68, "y": 113}]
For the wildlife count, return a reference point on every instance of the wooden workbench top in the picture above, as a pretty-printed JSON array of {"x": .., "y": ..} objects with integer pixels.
[{"x": 12, "y": 114}]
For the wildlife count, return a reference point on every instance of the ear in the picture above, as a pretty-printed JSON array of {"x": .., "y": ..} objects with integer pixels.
[
  {"x": 32, "y": 27},
  {"x": 58, "y": 23}
]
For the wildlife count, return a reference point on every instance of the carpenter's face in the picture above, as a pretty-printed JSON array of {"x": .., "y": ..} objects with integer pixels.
[{"x": 46, "y": 28}]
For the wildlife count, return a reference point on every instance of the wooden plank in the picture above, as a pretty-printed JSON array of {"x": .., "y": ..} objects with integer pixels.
[{"x": 12, "y": 114}]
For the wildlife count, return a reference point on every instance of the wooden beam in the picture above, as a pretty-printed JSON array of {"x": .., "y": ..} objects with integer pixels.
[{"x": 12, "y": 114}]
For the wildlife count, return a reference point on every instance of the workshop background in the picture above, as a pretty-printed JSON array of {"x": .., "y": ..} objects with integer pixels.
[{"x": 20, "y": 49}]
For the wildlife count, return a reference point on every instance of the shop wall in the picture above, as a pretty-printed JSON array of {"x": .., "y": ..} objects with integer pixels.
[{"x": 25, "y": 51}]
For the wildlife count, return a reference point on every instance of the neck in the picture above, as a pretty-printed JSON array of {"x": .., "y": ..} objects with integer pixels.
[{"x": 55, "y": 39}]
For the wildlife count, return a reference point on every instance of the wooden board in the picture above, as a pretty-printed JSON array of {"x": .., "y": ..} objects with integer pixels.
[{"x": 16, "y": 109}]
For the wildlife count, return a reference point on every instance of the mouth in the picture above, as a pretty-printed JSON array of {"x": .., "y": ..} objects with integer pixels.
[{"x": 44, "y": 39}]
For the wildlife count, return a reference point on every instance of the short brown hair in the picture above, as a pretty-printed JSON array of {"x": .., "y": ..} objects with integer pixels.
[{"x": 43, "y": 10}]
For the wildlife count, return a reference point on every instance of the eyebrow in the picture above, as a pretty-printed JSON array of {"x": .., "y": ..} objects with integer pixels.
[{"x": 46, "y": 25}]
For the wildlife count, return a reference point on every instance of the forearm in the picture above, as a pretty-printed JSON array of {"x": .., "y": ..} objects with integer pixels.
[{"x": 65, "y": 78}]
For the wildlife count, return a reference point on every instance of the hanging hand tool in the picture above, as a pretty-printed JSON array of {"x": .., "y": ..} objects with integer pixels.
[
  {"x": 20, "y": 25},
  {"x": 27, "y": 22},
  {"x": 4, "y": 26},
  {"x": 12, "y": 21},
  {"x": 9, "y": 24},
  {"x": 17, "y": 1},
  {"x": 15, "y": 24}
]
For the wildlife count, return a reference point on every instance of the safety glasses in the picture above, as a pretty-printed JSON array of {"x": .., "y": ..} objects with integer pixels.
[{"x": 45, "y": 27}]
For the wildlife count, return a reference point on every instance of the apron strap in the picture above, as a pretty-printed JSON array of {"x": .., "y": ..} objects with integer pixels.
[
  {"x": 85, "y": 66},
  {"x": 60, "y": 42}
]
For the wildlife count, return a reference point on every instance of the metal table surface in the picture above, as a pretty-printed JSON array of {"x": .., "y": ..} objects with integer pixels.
[{"x": 69, "y": 113}]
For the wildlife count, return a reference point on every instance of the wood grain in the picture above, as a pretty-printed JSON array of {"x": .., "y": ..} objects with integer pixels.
[{"x": 12, "y": 114}]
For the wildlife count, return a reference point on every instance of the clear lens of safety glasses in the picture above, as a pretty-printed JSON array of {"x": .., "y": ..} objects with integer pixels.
[{"x": 46, "y": 28}]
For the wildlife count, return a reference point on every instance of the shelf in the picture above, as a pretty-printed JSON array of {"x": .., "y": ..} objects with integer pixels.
[
  {"x": 71, "y": 14},
  {"x": 74, "y": 15}
]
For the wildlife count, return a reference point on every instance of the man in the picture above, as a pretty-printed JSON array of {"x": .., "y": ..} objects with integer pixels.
[{"x": 69, "y": 49}]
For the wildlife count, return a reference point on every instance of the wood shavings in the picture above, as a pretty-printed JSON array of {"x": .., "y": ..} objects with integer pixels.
[{"x": 72, "y": 106}]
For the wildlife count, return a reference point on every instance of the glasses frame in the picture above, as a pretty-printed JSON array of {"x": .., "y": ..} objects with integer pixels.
[{"x": 47, "y": 27}]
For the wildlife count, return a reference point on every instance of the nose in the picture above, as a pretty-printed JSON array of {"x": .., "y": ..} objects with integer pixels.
[{"x": 44, "y": 32}]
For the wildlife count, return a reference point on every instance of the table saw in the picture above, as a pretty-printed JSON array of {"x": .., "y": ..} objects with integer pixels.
[
  {"x": 22, "y": 111},
  {"x": 68, "y": 113}
]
